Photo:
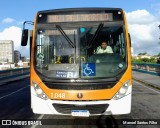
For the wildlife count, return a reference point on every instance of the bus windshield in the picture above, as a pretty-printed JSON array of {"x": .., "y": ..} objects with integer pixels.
[{"x": 80, "y": 51}]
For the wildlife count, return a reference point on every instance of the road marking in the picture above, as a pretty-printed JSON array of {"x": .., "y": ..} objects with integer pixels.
[
  {"x": 39, "y": 118},
  {"x": 147, "y": 87},
  {"x": 13, "y": 92}
]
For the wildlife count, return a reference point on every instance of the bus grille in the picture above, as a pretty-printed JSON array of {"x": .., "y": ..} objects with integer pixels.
[
  {"x": 93, "y": 109},
  {"x": 80, "y": 86}
]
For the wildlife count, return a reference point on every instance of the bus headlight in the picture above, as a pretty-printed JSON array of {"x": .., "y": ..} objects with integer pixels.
[
  {"x": 122, "y": 91},
  {"x": 39, "y": 91}
]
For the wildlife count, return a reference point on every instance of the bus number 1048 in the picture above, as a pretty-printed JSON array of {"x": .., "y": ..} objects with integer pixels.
[{"x": 58, "y": 95}]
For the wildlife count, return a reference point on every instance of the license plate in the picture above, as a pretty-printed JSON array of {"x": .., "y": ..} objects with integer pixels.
[{"x": 81, "y": 113}]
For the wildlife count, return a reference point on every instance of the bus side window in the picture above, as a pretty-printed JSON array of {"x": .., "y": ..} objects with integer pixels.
[{"x": 116, "y": 47}]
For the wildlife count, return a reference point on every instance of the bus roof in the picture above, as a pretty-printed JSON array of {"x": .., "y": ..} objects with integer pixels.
[{"x": 80, "y": 10}]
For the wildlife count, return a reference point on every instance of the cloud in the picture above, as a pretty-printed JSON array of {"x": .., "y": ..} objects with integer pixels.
[
  {"x": 140, "y": 17},
  {"x": 144, "y": 31},
  {"x": 8, "y": 20},
  {"x": 14, "y": 33}
]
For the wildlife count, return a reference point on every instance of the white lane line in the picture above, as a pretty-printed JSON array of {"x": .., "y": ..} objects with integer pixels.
[
  {"x": 39, "y": 118},
  {"x": 147, "y": 87},
  {"x": 13, "y": 92}
]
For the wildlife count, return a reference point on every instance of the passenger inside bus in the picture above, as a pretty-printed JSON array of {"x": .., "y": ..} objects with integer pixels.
[{"x": 104, "y": 48}]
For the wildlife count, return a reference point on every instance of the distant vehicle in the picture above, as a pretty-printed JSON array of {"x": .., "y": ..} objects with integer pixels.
[{"x": 68, "y": 77}]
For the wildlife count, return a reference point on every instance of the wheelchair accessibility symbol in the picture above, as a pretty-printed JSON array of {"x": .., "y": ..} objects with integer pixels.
[{"x": 89, "y": 69}]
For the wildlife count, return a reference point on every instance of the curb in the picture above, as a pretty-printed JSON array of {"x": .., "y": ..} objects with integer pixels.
[{"x": 147, "y": 83}]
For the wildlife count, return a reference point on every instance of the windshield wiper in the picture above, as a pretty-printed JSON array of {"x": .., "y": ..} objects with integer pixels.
[
  {"x": 95, "y": 35},
  {"x": 65, "y": 36}
]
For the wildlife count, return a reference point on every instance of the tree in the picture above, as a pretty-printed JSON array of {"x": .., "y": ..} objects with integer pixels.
[
  {"x": 145, "y": 60},
  {"x": 145, "y": 53},
  {"x": 158, "y": 60}
]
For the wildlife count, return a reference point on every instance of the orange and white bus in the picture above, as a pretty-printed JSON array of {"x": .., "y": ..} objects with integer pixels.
[{"x": 68, "y": 74}]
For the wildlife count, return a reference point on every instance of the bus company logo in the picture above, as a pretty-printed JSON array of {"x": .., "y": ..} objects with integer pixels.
[
  {"x": 6, "y": 122},
  {"x": 79, "y": 95}
]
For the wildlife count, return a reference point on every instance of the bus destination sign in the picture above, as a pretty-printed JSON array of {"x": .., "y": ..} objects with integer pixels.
[{"x": 80, "y": 17}]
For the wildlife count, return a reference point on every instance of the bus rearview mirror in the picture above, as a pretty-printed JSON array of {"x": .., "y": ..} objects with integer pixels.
[
  {"x": 129, "y": 38},
  {"x": 24, "y": 38}
]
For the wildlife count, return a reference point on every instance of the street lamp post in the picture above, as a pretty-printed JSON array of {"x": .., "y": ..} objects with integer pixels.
[{"x": 159, "y": 28}]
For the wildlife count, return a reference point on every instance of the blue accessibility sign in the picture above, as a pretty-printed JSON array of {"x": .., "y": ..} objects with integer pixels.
[{"x": 89, "y": 69}]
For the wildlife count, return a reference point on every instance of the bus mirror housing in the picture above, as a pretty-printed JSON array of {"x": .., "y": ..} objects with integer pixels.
[
  {"x": 129, "y": 39},
  {"x": 24, "y": 38}
]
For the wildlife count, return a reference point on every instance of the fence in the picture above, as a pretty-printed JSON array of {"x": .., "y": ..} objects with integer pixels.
[
  {"x": 153, "y": 69},
  {"x": 6, "y": 74}
]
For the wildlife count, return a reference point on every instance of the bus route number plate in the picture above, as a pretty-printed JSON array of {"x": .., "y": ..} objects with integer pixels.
[{"x": 80, "y": 113}]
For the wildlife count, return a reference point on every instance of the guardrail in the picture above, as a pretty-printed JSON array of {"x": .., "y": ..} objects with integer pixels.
[
  {"x": 153, "y": 69},
  {"x": 6, "y": 74}
]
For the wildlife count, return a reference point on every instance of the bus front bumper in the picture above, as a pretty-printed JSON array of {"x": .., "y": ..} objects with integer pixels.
[{"x": 113, "y": 107}]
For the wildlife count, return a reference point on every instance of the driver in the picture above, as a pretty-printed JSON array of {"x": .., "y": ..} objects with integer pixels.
[{"x": 104, "y": 48}]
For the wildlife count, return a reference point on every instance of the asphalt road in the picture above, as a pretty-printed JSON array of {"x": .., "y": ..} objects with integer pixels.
[
  {"x": 15, "y": 100},
  {"x": 15, "y": 104}
]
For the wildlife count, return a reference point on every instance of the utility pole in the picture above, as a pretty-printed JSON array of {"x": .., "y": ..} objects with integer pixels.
[
  {"x": 158, "y": 60},
  {"x": 159, "y": 36}
]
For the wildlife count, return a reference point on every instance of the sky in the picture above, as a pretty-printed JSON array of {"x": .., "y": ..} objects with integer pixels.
[{"x": 143, "y": 18}]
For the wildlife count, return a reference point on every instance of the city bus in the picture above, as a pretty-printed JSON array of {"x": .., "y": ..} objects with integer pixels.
[{"x": 67, "y": 74}]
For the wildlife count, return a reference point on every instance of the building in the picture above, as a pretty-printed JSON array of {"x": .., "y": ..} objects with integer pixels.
[
  {"x": 6, "y": 66},
  {"x": 23, "y": 64},
  {"x": 6, "y": 51},
  {"x": 144, "y": 55},
  {"x": 17, "y": 56},
  {"x": 28, "y": 60},
  {"x": 23, "y": 58}
]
